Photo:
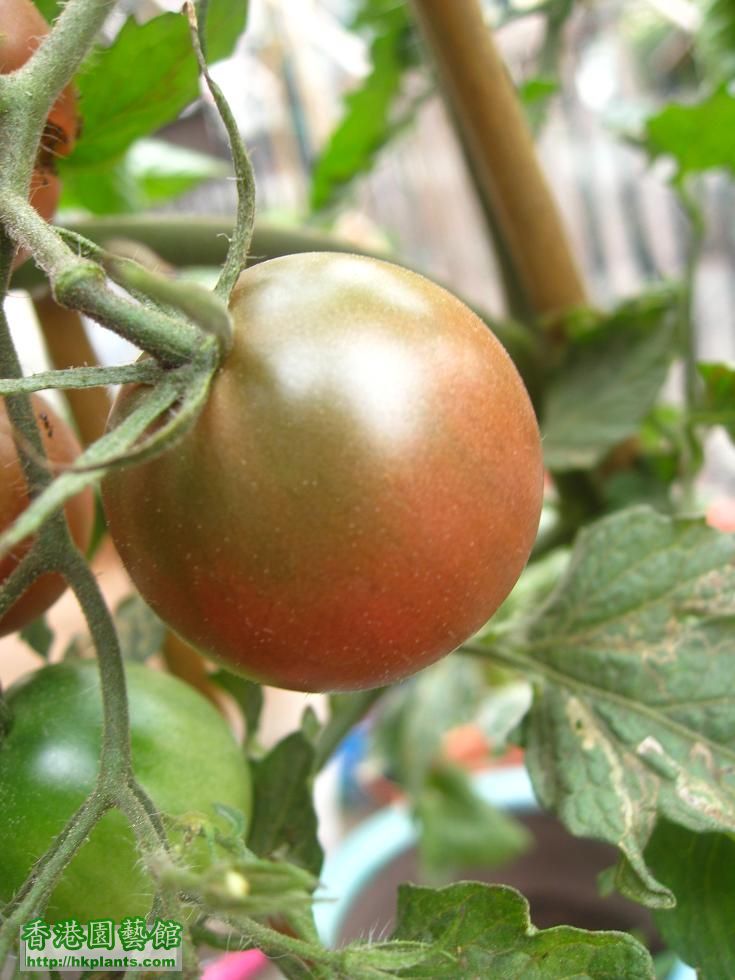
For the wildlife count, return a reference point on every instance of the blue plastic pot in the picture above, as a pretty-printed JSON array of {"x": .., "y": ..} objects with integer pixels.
[{"x": 387, "y": 835}]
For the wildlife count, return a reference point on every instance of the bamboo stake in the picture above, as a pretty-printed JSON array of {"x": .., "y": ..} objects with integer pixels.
[{"x": 484, "y": 103}]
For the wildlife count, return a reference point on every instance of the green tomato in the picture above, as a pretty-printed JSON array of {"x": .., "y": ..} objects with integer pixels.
[{"x": 184, "y": 755}]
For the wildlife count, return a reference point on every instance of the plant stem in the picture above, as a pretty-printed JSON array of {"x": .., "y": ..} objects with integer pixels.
[
  {"x": 115, "y": 758},
  {"x": 82, "y": 379},
  {"x": 495, "y": 132},
  {"x": 68, "y": 345},
  {"x": 88, "y": 467},
  {"x": 27, "y": 95},
  {"x": 37, "y": 84},
  {"x": 81, "y": 284},
  {"x": 691, "y": 448},
  {"x": 194, "y": 240},
  {"x": 239, "y": 247}
]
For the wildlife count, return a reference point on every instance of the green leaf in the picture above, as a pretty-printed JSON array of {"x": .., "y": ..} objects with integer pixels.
[
  {"x": 459, "y": 829},
  {"x": 139, "y": 630},
  {"x": 368, "y": 122},
  {"x": 478, "y": 930},
  {"x": 719, "y": 381},
  {"x": 537, "y": 90},
  {"x": 635, "y": 715},
  {"x": 537, "y": 581},
  {"x": 697, "y": 136},
  {"x": 608, "y": 382},
  {"x": 151, "y": 171},
  {"x": 163, "y": 170},
  {"x": 389, "y": 959},
  {"x": 119, "y": 105},
  {"x": 284, "y": 823},
  {"x": 247, "y": 694},
  {"x": 714, "y": 42},
  {"x": 700, "y": 870},
  {"x": 437, "y": 699},
  {"x": 49, "y": 8},
  {"x": 38, "y": 636},
  {"x": 105, "y": 189}
]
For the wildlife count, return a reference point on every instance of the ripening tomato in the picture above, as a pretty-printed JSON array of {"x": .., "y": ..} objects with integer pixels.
[
  {"x": 184, "y": 756},
  {"x": 358, "y": 496},
  {"x": 61, "y": 449}
]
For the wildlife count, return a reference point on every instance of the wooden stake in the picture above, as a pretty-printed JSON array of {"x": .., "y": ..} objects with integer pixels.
[{"x": 484, "y": 103}]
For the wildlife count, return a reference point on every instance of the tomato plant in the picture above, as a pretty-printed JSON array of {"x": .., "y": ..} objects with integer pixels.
[
  {"x": 184, "y": 755},
  {"x": 61, "y": 448},
  {"x": 360, "y": 492},
  {"x": 345, "y": 489}
]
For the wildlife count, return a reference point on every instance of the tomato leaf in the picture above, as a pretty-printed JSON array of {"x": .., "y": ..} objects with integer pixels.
[
  {"x": 374, "y": 960},
  {"x": 719, "y": 381},
  {"x": 478, "y": 930},
  {"x": 284, "y": 822},
  {"x": 608, "y": 382},
  {"x": 139, "y": 630},
  {"x": 369, "y": 122},
  {"x": 696, "y": 136},
  {"x": 635, "y": 716},
  {"x": 419, "y": 713},
  {"x": 119, "y": 105},
  {"x": 714, "y": 41},
  {"x": 700, "y": 869},
  {"x": 38, "y": 636},
  {"x": 247, "y": 694},
  {"x": 49, "y": 8},
  {"x": 150, "y": 172},
  {"x": 460, "y": 829}
]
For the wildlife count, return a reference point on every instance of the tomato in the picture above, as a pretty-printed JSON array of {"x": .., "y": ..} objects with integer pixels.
[
  {"x": 22, "y": 28},
  {"x": 61, "y": 449},
  {"x": 359, "y": 494},
  {"x": 184, "y": 755}
]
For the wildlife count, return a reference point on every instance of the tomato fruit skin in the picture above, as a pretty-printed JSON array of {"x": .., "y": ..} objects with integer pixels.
[
  {"x": 184, "y": 755},
  {"x": 61, "y": 449},
  {"x": 360, "y": 492}
]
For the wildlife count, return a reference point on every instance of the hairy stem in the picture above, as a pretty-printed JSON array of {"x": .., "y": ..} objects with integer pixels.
[
  {"x": 68, "y": 346},
  {"x": 237, "y": 252},
  {"x": 691, "y": 447},
  {"x": 115, "y": 758},
  {"x": 81, "y": 284},
  {"x": 80, "y": 379}
]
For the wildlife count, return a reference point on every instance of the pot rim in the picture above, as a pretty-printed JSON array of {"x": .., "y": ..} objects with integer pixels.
[{"x": 385, "y": 835}]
